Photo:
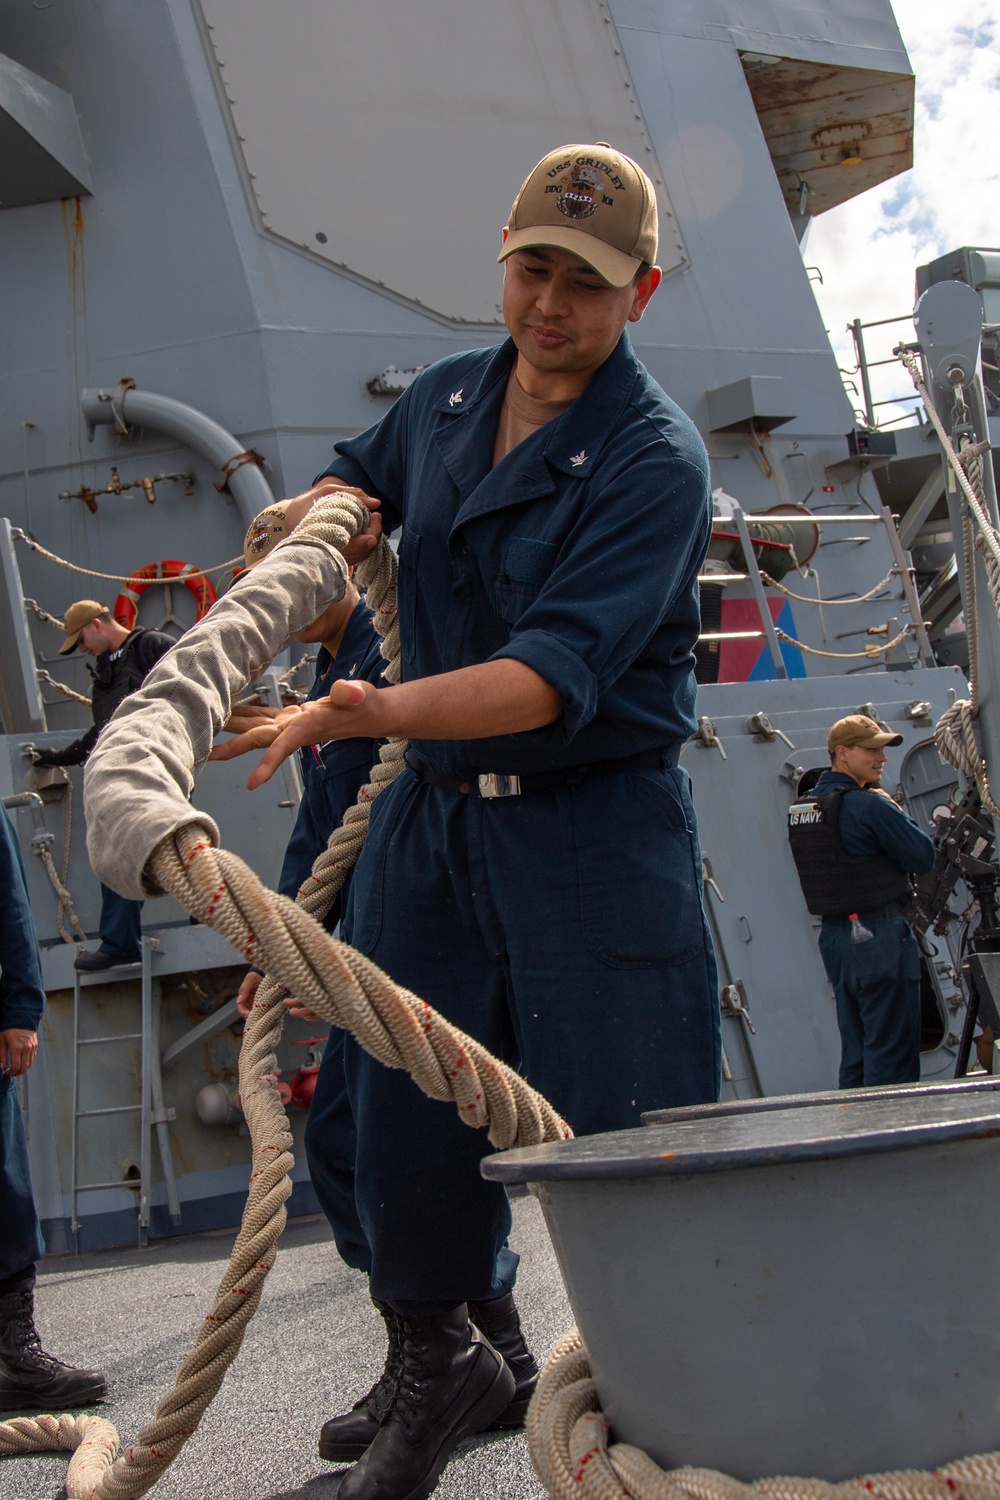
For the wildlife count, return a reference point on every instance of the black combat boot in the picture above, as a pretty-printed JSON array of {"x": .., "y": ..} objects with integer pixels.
[
  {"x": 344, "y": 1439},
  {"x": 30, "y": 1379},
  {"x": 452, "y": 1384},
  {"x": 499, "y": 1320}
]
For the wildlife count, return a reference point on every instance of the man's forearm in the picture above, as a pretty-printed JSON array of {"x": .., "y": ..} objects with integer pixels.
[{"x": 495, "y": 697}]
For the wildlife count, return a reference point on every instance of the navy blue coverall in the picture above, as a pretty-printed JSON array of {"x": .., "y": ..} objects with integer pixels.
[
  {"x": 22, "y": 1000},
  {"x": 563, "y": 928},
  {"x": 877, "y": 984},
  {"x": 332, "y": 775}
]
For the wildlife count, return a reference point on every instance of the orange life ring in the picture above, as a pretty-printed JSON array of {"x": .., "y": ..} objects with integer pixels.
[{"x": 127, "y": 604}]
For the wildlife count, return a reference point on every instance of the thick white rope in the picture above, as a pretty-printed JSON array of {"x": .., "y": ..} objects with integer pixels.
[
  {"x": 62, "y": 562},
  {"x": 300, "y": 958},
  {"x": 567, "y": 1435},
  {"x": 575, "y": 1459}
]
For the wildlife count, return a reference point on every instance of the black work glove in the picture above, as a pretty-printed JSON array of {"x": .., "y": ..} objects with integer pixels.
[{"x": 44, "y": 758}]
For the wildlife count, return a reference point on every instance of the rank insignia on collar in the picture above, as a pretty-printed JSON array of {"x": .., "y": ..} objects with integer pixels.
[
  {"x": 455, "y": 399},
  {"x": 579, "y": 458}
]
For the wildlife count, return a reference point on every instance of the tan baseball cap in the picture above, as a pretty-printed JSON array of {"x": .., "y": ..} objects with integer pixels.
[
  {"x": 266, "y": 531},
  {"x": 593, "y": 201},
  {"x": 76, "y": 617},
  {"x": 858, "y": 729}
]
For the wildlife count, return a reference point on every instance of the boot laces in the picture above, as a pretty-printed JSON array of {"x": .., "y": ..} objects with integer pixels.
[
  {"x": 414, "y": 1378},
  {"x": 378, "y": 1400}
]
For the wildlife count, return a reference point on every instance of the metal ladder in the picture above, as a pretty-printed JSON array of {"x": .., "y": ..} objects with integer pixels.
[{"x": 150, "y": 1109}]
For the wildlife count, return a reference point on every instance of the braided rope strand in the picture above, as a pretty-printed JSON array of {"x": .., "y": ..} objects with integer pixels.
[{"x": 570, "y": 1448}]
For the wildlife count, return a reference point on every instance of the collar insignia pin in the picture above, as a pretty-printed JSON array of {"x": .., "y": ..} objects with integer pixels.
[
  {"x": 455, "y": 399},
  {"x": 579, "y": 458}
]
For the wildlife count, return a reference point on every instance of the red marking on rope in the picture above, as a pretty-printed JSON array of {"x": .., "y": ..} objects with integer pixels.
[
  {"x": 216, "y": 898},
  {"x": 585, "y": 1460},
  {"x": 197, "y": 848},
  {"x": 463, "y": 1062}
]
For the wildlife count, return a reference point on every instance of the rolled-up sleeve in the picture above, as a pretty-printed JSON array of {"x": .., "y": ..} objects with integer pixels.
[{"x": 626, "y": 572}]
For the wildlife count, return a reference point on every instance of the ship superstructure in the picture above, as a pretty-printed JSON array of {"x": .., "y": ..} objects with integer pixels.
[{"x": 215, "y": 271}]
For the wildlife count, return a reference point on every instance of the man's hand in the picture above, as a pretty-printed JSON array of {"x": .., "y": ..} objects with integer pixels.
[
  {"x": 350, "y": 712},
  {"x": 17, "y": 1050},
  {"x": 254, "y": 728},
  {"x": 300, "y": 1011},
  {"x": 359, "y": 546},
  {"x": 246, "y": 992}
]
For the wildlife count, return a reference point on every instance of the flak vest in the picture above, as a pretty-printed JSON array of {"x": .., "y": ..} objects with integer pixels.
[{"x": 836, "y": 883}]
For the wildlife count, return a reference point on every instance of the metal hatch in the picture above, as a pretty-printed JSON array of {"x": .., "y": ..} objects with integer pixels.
[{"x": 387, "y": 139}]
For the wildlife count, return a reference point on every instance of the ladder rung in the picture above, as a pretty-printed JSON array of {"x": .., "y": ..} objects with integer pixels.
[
  {"x": 93, "y": 1187},
  {"x": 96, "y": 1041},
  {"x": 117, "y": 1109}
]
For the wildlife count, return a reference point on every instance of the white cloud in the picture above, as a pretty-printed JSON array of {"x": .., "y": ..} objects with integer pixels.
[{"x": 868, "y": 250}]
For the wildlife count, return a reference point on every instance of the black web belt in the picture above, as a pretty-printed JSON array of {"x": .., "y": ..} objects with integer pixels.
[{"x": 491, "y": 784}]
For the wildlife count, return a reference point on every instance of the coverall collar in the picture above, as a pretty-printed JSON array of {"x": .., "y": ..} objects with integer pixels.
[{"x": 570, "y": 445}]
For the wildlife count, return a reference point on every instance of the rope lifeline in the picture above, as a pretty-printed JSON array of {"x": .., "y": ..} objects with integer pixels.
[
  {"x": 772, "y": 583},
  {"x": 870, "y": 651},
  {"x": 22, "y": 536},
  {"x": 61, "y": 687}
]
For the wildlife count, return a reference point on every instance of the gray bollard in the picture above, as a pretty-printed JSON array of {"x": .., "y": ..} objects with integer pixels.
[{"x": 787, "y": 1290}]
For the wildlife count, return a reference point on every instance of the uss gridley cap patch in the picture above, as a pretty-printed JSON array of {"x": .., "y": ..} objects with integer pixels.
[{"x": 593, "y": 201}]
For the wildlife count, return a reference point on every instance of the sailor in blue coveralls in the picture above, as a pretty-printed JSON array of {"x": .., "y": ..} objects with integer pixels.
[
  {"x": 876, "y": 981},
  {"x": 29, "y": 1377},
  {"x": 535, "y": 872},
  {"x": 332, "y": 775}
]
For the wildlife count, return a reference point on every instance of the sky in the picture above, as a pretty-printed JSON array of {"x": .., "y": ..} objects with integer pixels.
[{"x": 868, "y": 249}]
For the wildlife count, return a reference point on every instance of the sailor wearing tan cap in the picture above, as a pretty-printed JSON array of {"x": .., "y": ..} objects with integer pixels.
[
  {"x": 123, "y": 658},
  {"x": 535, "y": 872},
  {"x": 855, "y": 850}
]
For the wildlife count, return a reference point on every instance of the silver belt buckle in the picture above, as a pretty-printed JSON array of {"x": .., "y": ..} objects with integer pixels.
[{"x": 498, "y": 784}]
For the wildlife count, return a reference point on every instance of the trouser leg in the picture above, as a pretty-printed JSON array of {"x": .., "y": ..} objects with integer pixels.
[
  {"x": 331, "y": 1141},
  {"x": 598, "y": 891},
  {"x": 889, "y": 1001},
  {"x": 836, "y": 951},
  {"x": 120, "y": 928},
  {"x": 21, "y": 1242},
  {"x": 437, "y": 1230}
]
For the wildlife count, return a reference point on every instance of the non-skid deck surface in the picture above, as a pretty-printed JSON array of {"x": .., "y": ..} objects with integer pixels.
[{"x": 314, "y": 1346}]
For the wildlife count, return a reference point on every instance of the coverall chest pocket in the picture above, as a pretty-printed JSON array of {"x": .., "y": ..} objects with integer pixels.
[
  {"x": 408, "y": 555},
  {"x": 639, "y": 869},
  {"x": 527, "y": 565}
]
